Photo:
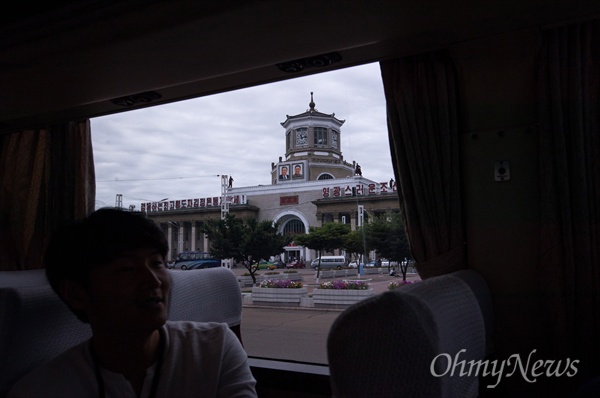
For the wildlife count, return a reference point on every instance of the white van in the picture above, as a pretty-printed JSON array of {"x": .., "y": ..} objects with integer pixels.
[{"x": 328, "y": 262}]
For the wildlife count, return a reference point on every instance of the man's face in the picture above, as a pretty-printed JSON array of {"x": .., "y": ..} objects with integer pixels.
[
  {"x": 297, "y": 170},
  {"x": 284, "y": 171},
  {"x": 130, "y": 294}
]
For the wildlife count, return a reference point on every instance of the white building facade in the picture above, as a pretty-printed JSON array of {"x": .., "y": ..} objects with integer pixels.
[{"x": 311, "y": 185}]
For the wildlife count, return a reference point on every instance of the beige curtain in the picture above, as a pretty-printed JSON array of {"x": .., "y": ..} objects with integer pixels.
[
  {"x": 422, "y": 102},
  {"x": 46, "y": 179},
  {"x": 569, "y": 270}
]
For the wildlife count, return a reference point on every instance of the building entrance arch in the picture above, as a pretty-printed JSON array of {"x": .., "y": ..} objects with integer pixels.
[{"x": 293, "y": 222}]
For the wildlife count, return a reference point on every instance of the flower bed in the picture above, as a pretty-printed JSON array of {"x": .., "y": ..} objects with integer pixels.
[
  {"x": 372, "y": 270},
  {"x": 291, "y": 275},
  {"x": 328, "y": 273},
  {"x": 341, "y": 293},
  {"x": 338, "y": 273},
  {"x": 245, "y": 280},
  {"x": 345, "y": 285},
  {"x": 345, "y": 272},
  {"x": 279, "y": 292},
  {"x": 280, "y": 284},
  {"x": 351, "y": 271},
  {"x": 396, "y": 284}
]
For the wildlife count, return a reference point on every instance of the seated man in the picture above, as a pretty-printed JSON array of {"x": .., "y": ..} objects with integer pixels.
[{"x": 110, "y": 270}]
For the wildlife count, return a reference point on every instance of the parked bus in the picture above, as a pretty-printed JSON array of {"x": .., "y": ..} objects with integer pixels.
[{"x": 196, "y": 260}]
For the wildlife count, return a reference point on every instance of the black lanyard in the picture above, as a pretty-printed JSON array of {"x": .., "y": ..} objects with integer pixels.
[{"x": 155, "y": 378}]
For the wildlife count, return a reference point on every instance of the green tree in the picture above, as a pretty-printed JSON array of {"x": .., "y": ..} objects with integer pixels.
[
  {"x": 386, "y": 235},
  {"x": 329, "y": 237},
  {"x": 355, "y": 244},
  {"x": 246, "y": 241},
  {"x": 226, "y": 237},
  {"x": 262, "y": 240}
]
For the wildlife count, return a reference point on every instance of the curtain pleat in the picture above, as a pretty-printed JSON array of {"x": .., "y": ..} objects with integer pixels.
[
  {"x": 422, "y": 113},
  {"x": 569, "y": 103},
  {"x": 47, "y": 179}
]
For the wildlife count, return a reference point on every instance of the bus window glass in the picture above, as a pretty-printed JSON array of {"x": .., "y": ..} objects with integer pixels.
[{"x": 156, "y": 161}]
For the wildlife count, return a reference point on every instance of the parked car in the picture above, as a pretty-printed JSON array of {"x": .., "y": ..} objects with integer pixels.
[
  {"x": 266, "y": 265},
  {"x": 354, "y": 264},
  {"x": 329, "y": 262},
  {"x": 295, "y": 264},
  {"x": 387, "y": 263}
]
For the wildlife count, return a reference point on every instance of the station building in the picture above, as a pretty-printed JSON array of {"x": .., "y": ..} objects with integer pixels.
[{"x": 311, "y": 185}]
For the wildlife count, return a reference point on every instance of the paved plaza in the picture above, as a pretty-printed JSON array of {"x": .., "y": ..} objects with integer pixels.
[{"x": 296, "y": 333}]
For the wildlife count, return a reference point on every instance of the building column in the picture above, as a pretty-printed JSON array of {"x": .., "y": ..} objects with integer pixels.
[
  {"x": 205, "y": 243},
  {"x": 307, "y": 256},
  {"x": 170, "y": 241},
  {"x": 193, "y": 237},
  {"x": 353, "y": 216},
  {"x": 180, "y": 237}
]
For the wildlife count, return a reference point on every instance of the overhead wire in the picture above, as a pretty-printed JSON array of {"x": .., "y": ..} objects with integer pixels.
[{"x": 158, "y": 179}]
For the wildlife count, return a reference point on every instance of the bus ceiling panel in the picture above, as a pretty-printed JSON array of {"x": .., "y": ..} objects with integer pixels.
[{"x": 182, "y": 50}]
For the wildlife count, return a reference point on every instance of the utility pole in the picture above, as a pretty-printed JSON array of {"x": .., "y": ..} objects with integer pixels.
[
  {"x": 224, "y": 201},
  {"x": 224, "y": 212},
  {"x": 344, "y": 222},
  {"x": 361, "y": 222}
]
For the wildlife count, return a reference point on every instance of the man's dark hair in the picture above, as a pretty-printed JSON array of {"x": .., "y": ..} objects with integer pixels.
[{"x": 99, "y": 239}]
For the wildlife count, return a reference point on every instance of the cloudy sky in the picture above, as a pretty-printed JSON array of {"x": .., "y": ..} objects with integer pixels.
[{"x": 178, "y": 151}]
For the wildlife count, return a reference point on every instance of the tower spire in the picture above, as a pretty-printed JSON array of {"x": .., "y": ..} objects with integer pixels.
[{"x": 312, "y": 103}]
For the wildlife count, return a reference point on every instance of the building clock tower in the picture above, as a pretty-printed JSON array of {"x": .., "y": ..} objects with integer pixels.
[{"x": 313, "y": 148}]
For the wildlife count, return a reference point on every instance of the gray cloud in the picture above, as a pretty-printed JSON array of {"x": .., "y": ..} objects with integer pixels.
[{"x": 178, "y": 150}]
